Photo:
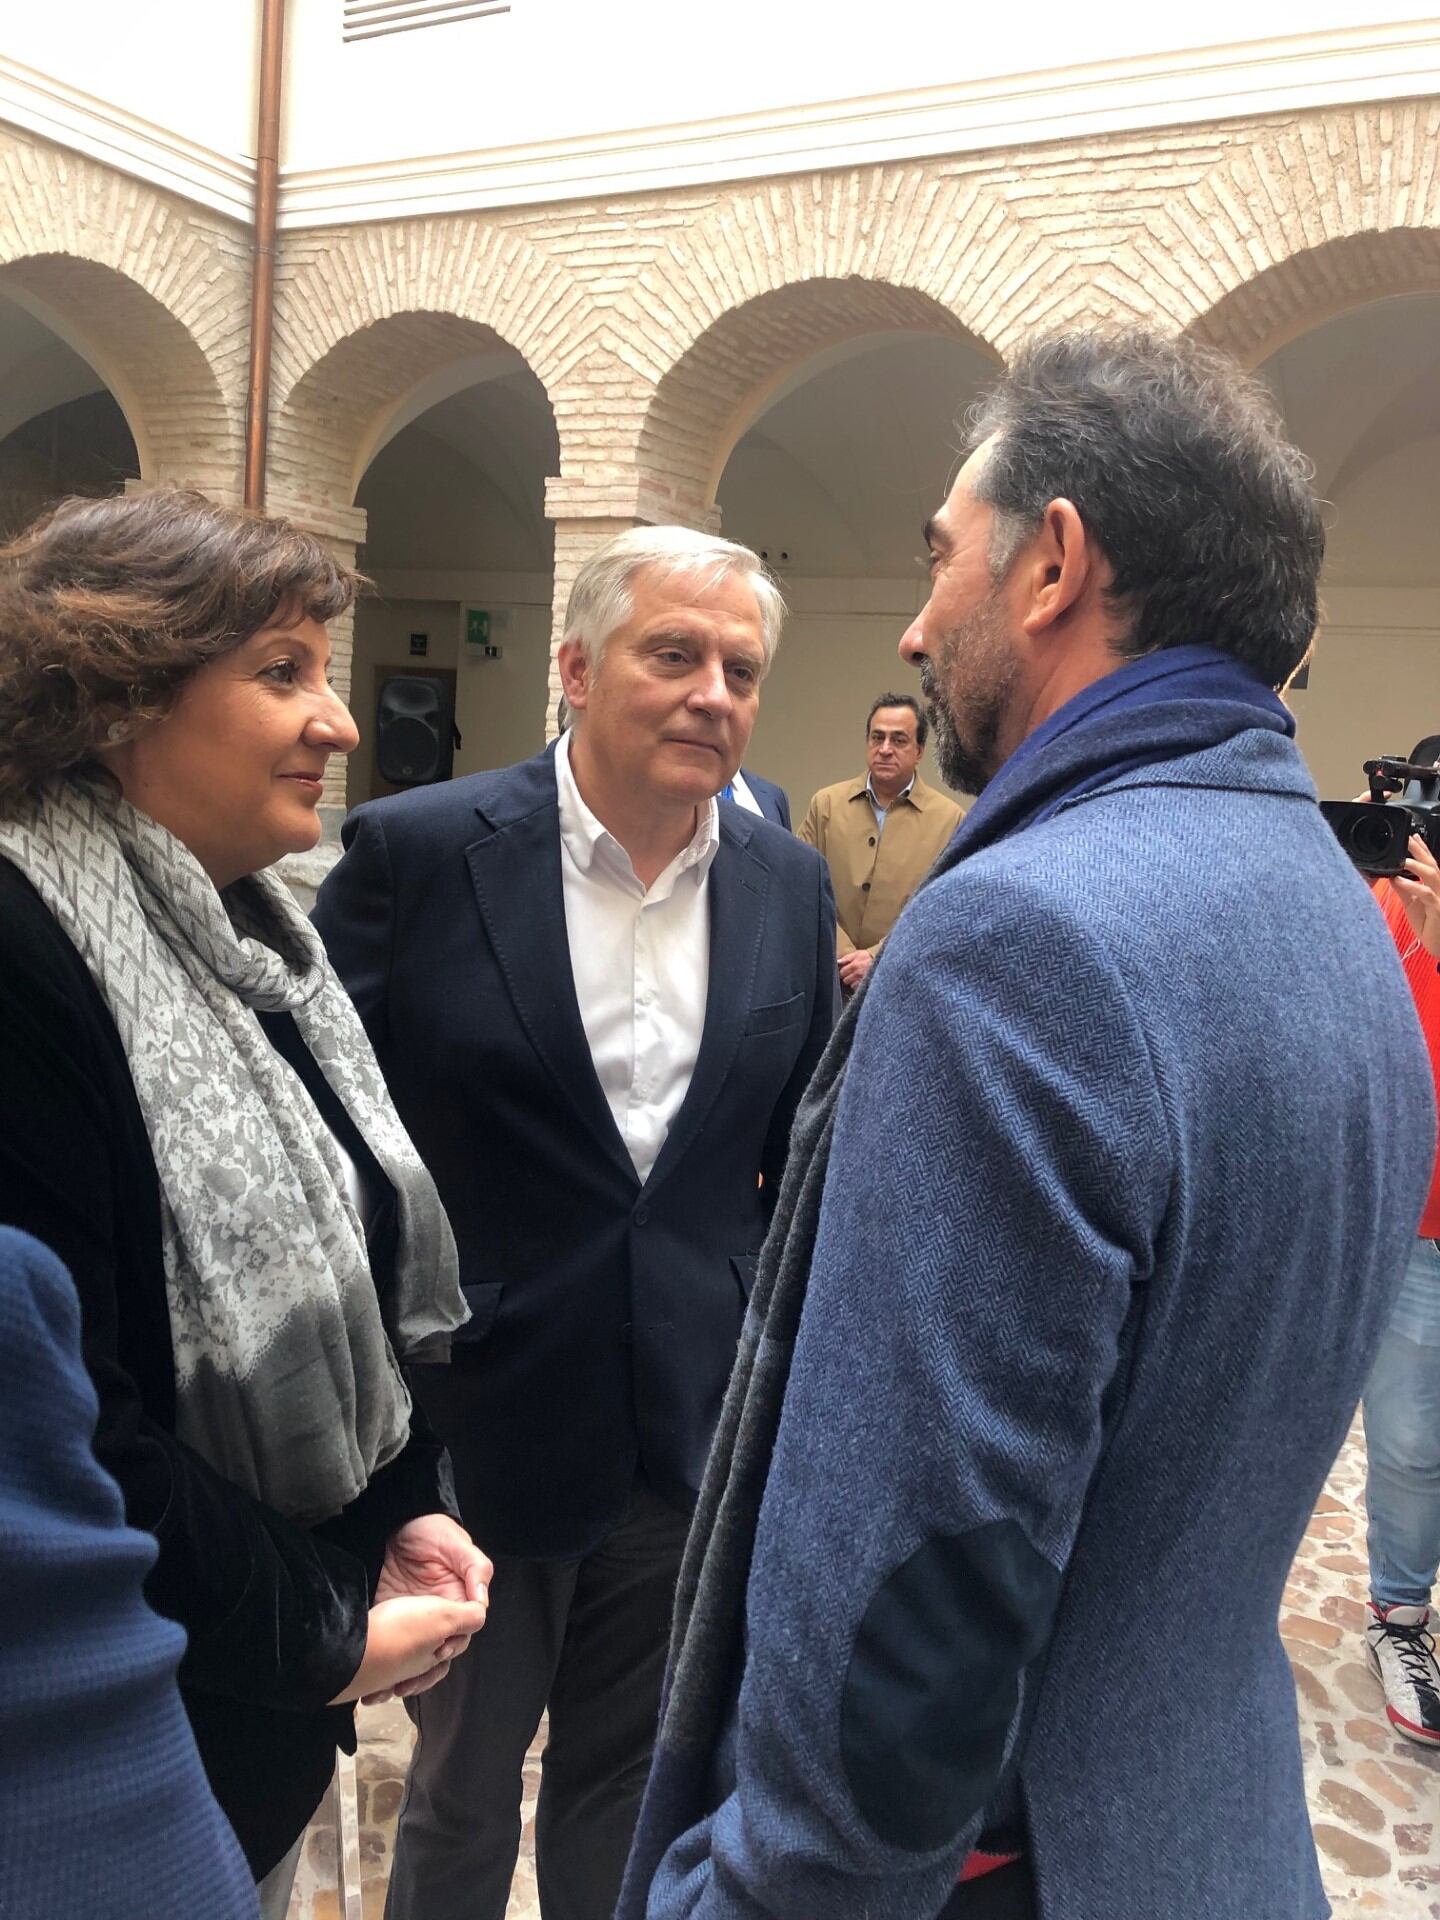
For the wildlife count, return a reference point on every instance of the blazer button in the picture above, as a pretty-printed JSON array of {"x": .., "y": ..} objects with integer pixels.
[
  {"x": 864, "y": 886},
  {"x": 872, "y": 839},
  {"x": 641, "y": 1215}
]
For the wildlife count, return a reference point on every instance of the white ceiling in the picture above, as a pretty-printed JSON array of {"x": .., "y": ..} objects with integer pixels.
[
  {"x": 37, "y": 370},
  {"x": 846, "y": 465},
  {"x": 503, "y": 433},
  {"x": 462, "y": 486},
  {"x": 1361, "y": 395}
]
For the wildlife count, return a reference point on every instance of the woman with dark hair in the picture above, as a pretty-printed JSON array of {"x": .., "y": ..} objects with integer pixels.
[{"x": 192, "y": 1118}]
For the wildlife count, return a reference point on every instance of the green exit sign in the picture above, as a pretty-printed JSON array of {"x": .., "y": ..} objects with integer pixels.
[{"x": 477, "y": 626}]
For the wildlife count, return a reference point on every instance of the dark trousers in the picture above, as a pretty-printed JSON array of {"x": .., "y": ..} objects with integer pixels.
[
  {"x": 588, "y": 1638},
  {"x": 1006, "y": 1894}
]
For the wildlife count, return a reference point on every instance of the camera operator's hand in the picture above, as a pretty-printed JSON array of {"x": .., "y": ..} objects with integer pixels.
[{"x": 1419, "y": 891}]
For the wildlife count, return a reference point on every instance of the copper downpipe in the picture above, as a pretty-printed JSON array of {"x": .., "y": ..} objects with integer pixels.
[{"x": 262, "y": 283}]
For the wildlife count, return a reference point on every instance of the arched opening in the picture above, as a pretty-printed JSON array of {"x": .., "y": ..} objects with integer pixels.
[
  {"x": 1361, "y": 396},
  {"x": 92, "y": 316},
  {"x": 749, "y": 357},
  {"x": 62, "y": 431},
  {"x": 833, "y": 481},
  {"x": 1261, "y": 316},
  {"x": 445, "y": 437}
]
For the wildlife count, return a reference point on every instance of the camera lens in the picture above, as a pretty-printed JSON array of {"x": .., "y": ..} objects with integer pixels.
[{"x": 1370, "y": 836}]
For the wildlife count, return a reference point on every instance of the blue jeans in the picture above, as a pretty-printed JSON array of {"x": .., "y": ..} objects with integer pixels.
[{"x": 1402, "y": 1438}]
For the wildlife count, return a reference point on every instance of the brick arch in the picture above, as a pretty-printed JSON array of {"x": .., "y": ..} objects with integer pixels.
[
  {"x": 1319, "y": 283},
  {"x": 721, "y": 385},
  {"x": 774, "y": 273},
  {"x": 1299, "y": 221},
  {"x": 128, "y": 278},
  {"x": 333, "y": 419},
  {"x": 366, "y": 316}
]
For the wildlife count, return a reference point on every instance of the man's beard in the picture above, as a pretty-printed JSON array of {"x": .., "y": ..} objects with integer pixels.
[{"x": 967, "y": 721}]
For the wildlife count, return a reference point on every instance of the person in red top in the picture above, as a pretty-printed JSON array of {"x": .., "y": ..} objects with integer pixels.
[{"x": 1402, "y": 1398}]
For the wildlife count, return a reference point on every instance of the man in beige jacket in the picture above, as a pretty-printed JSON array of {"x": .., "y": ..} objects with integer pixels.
[{"x": 881, "y": 834}]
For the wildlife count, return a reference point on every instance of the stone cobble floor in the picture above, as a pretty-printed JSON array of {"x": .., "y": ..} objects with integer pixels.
[{"x": 1374, "y": 1798}]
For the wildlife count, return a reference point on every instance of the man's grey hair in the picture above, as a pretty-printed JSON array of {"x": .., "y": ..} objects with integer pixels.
[{"x": 601, "y": 600}]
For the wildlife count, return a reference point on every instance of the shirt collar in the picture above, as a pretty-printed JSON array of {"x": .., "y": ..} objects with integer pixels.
[
  {"x": 904, "y": 794},
  {"x": 741, "y": 793},
  {"x": 590, "y": 844}
]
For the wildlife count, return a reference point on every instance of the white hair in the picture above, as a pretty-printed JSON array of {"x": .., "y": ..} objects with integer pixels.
[{"x": 601, "y": 600}]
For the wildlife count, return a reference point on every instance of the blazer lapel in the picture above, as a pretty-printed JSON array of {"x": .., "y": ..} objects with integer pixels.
[
  {"x": 515, "y": 871},
  {"x": 739, "y": 882}
]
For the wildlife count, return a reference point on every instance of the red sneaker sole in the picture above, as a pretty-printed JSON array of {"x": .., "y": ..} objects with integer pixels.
[{"x": 1421, "y": 1735}]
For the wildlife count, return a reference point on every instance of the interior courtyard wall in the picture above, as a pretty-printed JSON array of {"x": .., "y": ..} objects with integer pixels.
[
  {"x": 650, "y": 319},
  {"x": 151, "y": 290},
  {"x": 500, "y": 702},
  {"x": 688, "y": 303}
]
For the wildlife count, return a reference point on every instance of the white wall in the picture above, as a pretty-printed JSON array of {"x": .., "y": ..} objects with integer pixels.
[
  {"x": 499, "y": 704},
  {"x": 1387, "y": 522},
  {"x": 430, "y": 506},
  {"x": 1361, "y": 395},
  {"x": 837, "y": 654},
  {"x": 189, "y": 66},
  {"x": 1371, "y": 692},
  {"x": 563, "y": 69},
  {"x": 1374, "y": 688},
  {"x": 562, "y": 98}
]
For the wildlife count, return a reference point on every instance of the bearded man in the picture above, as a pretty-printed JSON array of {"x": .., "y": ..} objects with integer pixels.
[{"x": 1036, "y": 1394}]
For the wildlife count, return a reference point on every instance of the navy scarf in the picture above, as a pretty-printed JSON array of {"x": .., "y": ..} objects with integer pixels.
[
  {"x": 1149, "y": 711},
  {"x": 1158, "y": 707}
]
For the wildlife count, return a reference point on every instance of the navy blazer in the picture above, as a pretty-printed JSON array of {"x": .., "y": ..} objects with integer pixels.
[
  {"x": 604, "y": 1312},
  {"x": 773, "y": 801}
]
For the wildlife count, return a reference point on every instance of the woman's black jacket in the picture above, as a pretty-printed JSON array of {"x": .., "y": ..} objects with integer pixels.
[{"x": 275, "y": 1612}]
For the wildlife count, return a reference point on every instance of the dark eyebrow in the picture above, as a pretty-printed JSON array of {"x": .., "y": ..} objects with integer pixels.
[
  {"x": 933, "y": 535},
  {"x": 285, "y": 631},
  {"x": 283, "y": 638}
]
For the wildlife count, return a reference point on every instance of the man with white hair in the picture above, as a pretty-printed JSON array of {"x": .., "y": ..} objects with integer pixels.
[{"x": 597, "y": 996}]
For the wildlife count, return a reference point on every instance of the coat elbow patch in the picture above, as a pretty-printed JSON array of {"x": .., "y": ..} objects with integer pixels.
[{"x": 934, "y": 1680}]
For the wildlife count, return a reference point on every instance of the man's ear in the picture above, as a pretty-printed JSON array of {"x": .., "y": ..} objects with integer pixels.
[
  {"x": 1060, "y": 568},
  {"x": 574, "y": 674}
]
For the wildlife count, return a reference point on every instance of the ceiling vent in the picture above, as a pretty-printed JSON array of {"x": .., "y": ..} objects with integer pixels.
[{"x": 369, "y": 19}]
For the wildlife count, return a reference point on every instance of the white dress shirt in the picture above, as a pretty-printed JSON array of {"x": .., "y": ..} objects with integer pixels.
[
  {"x": 641, "y": 962},
  {"x": 742, "y": 796}
]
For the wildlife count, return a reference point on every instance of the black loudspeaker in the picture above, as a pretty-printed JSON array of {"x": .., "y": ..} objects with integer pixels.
[{"x": 414, "y": 730}]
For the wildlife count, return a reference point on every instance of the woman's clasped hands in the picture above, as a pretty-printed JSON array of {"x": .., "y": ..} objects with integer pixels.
[{"x": 430, "y": 1598}]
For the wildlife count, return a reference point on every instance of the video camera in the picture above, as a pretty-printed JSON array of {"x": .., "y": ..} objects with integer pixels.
[{"x": 1376, "y": 833}]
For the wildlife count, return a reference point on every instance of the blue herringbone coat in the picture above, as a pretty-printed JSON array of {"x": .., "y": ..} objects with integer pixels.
[
  {"x": 105, "y": 1812},
  {"x": 1132, "y": 1143}
]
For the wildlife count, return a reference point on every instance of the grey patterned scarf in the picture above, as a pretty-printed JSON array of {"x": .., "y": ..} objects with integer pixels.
[{"x": 286, "y": 1381}]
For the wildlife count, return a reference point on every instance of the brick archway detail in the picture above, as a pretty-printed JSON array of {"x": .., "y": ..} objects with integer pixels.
[
  {"x": 1306, "y": 220},
  {"x": 773, "y": 275},
  {"x": 152, "y": 298},
  {"x": 367, "y": 315}
]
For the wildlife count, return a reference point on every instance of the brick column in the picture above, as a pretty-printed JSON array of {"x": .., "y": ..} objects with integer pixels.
[{"x": 342, "y": 530}]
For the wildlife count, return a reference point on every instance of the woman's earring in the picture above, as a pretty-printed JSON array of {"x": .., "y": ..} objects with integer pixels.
[{"x": 115, "y": 733}]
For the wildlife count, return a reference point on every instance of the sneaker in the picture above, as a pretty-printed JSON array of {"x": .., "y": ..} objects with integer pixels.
[{"x": 1402, "y": 1653}]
